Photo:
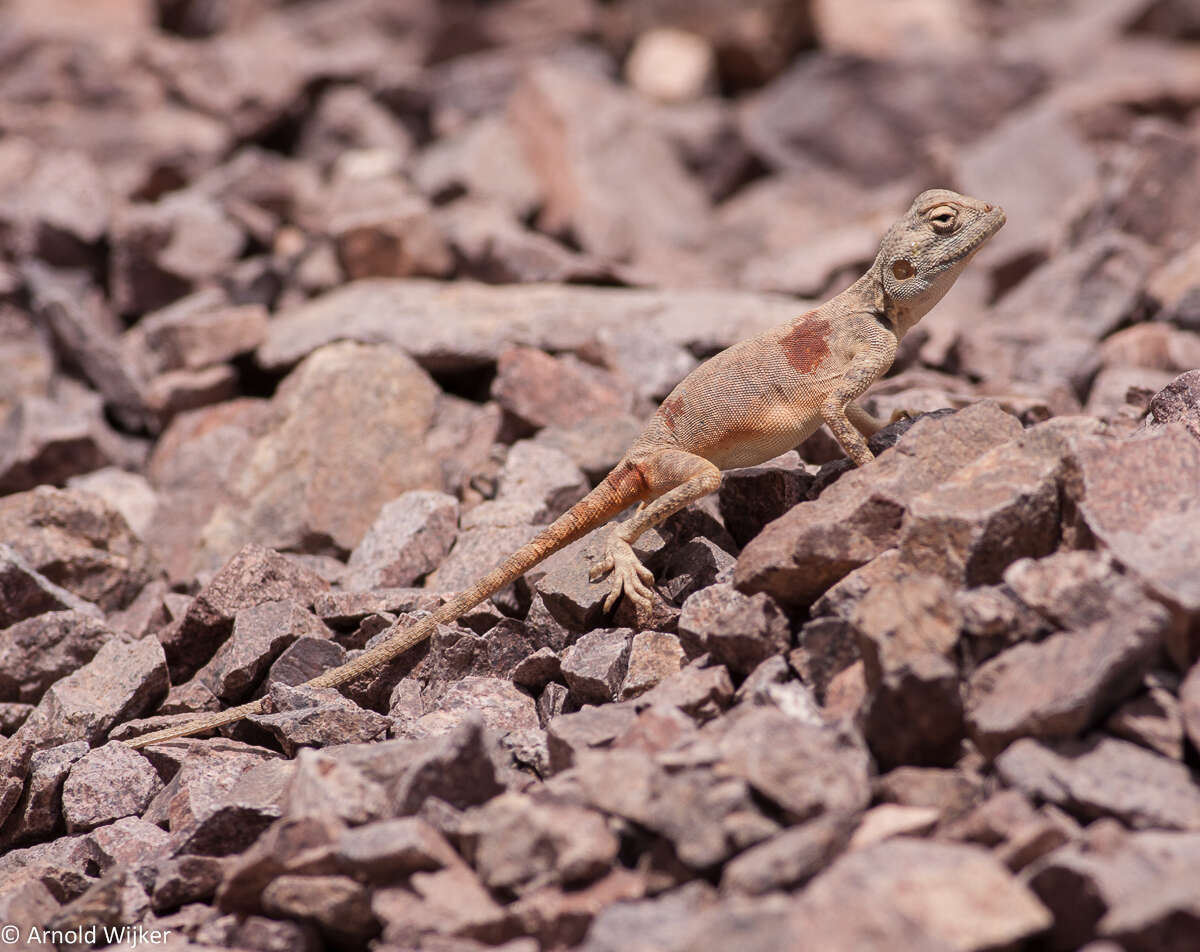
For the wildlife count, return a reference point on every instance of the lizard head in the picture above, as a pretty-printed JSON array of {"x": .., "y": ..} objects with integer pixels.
[{"x": 924, "y": 252}]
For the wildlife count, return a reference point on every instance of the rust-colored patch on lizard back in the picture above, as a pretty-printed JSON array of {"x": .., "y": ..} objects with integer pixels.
[{"x": 807, "y": 345}]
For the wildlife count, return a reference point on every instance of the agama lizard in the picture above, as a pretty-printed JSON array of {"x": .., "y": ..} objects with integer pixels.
[{"x": 744, "y": 406}]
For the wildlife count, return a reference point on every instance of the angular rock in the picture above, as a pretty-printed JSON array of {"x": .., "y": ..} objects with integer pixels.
[
  {"x": 701, "y": 693},
  {"x": 751, "y": 497},
  {"x": 1178, "y": 402},
  {"x": 408, "y": 539},
  {"x": 1132, "y": 876},
  {"x": 198, "y": 804},
  {"x": 308, "y": 717},
  {"x": 516, "y": 843},
  {"x": 501, "y": 704},
  {"x": 816, "y": 543},
  {"x": 450, "y": 902},
  {"x": 653, "y": 656},
  {"x": 291, "y": 843},
  {"x": 195, "y": 337},
  {"x": 582, "y": 168},
  {"x": 322, "y": 404},
  {"x": 79, "y": 542},
  {"x": 253, "y": 576},
  {"x": 1153, "y": 531},
  {"x": 40, "y": 809},
  {"x": 120, "y": 682},
  {"x": 539, "y": 390},
  {"x": 321, "y": 785},
  {"x": 108, "y": 783},
  {"x": 483, "y": 159},
  {"x": 569, "y": 735},
  {"x": 338, "y": 905},
  {"x": 260, "y": 634},
  {"x": 907, "y": 636},
  {"x": 808, "y": 771},
  {"x": 996, "y": 509},
  {"x": 1102, "y": 776},
  {"x": 1153, "y": 719},
  {"x": 966, "y": 898},
  {"x": 389, "y": 849},
  {"x": 304, "y": 659},
  {"x": 595, "y": 665},
  {"x": 1060, "y": 686},
  {"x": 162, "y": 251},
  {"x": 469, "y": 327},
  {"x": 891, "y": 102},
  {"x": 36, "y": 652},
  {"x": 1075, "y": 589},
  {"x": 544, "y": 478},
  {"x": 788, "y": 859},
  {"x": 738, "y": 631}
]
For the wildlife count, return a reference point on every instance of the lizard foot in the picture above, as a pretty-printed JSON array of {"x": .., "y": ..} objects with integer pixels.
[
  {"x": 629, "y": 576},
  {"x": 900, "y": 414}
]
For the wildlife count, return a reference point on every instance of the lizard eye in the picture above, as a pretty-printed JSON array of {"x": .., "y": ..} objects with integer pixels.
[{"x": 944, "y": 219}]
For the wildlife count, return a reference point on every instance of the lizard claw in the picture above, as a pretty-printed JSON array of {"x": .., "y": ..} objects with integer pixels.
[
  {"x": 629, "y": 577},
  {"x": 900, "y": 414}
]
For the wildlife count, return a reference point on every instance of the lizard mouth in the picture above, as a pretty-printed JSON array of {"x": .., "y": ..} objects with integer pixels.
[{"x": 993, "y": 221}]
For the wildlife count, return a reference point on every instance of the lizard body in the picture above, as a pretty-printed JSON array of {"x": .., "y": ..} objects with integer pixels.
[{"x": 744, "y": 406}]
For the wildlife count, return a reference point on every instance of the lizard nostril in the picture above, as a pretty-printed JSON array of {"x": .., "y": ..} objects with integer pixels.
[{"x": 987, "y": 208}]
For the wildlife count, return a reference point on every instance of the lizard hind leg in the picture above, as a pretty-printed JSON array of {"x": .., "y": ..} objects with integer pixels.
[{"x": 676, "y": 478}]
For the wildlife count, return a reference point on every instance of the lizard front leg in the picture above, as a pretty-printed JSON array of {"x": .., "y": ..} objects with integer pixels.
[
  {"x": 838, "y": 410},
  {"x": 679, "y": 478}
]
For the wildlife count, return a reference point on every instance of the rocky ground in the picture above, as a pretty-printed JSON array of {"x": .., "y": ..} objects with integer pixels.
[{"x": 312, "y": 311}]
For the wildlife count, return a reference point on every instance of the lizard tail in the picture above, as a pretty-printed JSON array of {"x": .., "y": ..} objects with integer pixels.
[{"x": 597, "y": 507}]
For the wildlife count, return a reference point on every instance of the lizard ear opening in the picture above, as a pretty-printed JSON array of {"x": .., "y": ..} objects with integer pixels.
[{"x": 902, "y": 270}]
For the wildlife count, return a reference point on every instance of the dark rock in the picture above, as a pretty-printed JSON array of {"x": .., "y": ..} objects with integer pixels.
[
  {"x": 816, "y": 543},
  {"x": 1100, "y": 776},
  {"x": 754, "y": 496},
  {"x": 382, "y": 228},
  {"x": 1130, "y": 876},
  {"x": 163, "y": 251},
  {"x": 827, "y": 647},
  {"x": 39, "y": 811},
  {"x": 304, "y": 659}
]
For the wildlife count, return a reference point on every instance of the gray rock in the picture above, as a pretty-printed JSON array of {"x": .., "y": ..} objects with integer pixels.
[
  {"x": 108, "y": 783},
  {"x": 595, "y": 665}
]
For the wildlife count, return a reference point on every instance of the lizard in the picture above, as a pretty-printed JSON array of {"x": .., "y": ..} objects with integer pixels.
[{"x": 743, "y": 406}]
